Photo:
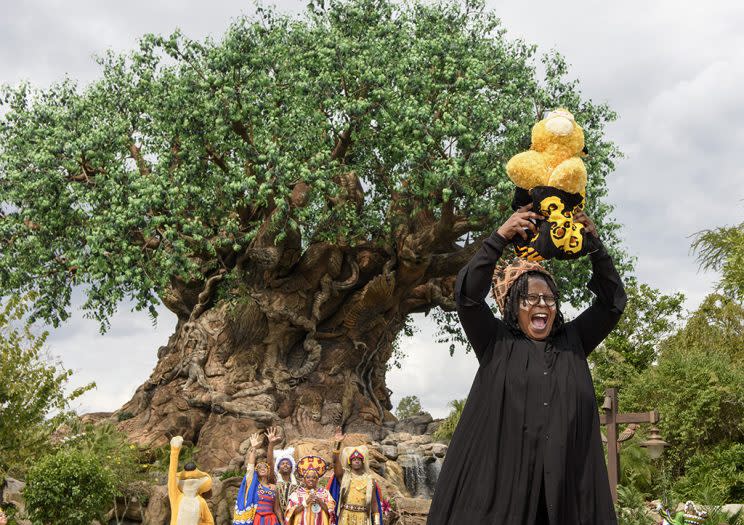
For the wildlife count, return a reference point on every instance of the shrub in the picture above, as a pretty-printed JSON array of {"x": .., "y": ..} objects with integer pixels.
[
  {"x": 35, "y": 394},
  {"x": 71, "y": 487},
  {"x": 631, "y": 507},
  {"x": 714, "y": 476}
]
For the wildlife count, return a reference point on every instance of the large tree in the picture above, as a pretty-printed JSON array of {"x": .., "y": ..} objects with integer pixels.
[{"x": 292, "y": 192}]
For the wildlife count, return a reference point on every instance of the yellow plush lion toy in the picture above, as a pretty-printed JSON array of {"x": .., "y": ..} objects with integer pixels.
[
  {"x": 554, "y": 157},
  {"x": 552, "y": 176}
]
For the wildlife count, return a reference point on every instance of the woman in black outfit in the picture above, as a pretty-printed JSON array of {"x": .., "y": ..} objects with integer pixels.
[{"x": 528, "y": 449}]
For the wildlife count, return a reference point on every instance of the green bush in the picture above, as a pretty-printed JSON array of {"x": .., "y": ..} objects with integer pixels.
[
  {"x": 715, "y": 476},
  {"x": 11, "y": 513},
  {"x": 232, "y": 474},
  {"x": 123, "y": 416},
  {"x": 631, "y": 507},
  {"x": 448, "y": 426},
  {"x": 636, "y": 468},
  {"x": 71, "y": 487}
]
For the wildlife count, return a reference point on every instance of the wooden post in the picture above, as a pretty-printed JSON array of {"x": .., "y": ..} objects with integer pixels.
[
  {"x": 611, "y": 419},
  {"x": 613, "y": 457}
]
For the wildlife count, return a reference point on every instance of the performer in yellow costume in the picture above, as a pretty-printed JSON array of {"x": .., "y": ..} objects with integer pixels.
[
  {"x": 353, "y": 486},
  {"x": 185, "y": 490}
]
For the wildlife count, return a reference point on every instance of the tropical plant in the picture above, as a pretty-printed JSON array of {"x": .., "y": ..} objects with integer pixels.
[
  {"x": 698, "y": 388},
  {"x": 723, "y": 249},
  {"x": 447, "y": 427},
  {"x": 714, "y": 476},
  {"x": 631, "y": 507},
  {"x": 649, "y": 317}
]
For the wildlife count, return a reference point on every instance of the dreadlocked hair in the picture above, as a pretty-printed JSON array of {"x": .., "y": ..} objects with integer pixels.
[{"x": 521, "y": 288}]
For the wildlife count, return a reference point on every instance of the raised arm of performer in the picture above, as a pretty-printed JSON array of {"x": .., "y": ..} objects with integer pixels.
[
  {"x": 338, "y": 468},
  {"x": 272, "y": 434},
  {"x": 474, "y": 282},
  {"x": 250, "y": 458},
  {"x": 598, "y": 320}
]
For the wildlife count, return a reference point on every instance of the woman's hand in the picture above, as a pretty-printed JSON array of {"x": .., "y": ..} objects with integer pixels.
[
  {"x": 256, "y": 440},
  {"x": 589, "y": 226},
  {"x": 338, "y": 436},
  {"x": 519, "y": 222}
]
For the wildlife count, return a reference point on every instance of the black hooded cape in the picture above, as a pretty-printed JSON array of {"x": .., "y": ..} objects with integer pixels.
[{"x": 530, "y": 429}]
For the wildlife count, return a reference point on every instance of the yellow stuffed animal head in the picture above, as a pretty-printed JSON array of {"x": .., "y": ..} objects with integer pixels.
[
  {"x": 554, "y": 156},
  {"x": 558, "y": 132}
]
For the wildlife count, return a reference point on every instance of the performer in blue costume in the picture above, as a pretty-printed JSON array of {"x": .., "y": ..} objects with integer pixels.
[{"x": 257, "y": 502}]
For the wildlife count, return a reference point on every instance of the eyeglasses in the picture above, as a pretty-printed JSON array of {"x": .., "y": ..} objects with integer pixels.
[{"x": 533, "y": 299}]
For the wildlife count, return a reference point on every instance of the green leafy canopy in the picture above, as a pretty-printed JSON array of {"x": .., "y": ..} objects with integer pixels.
[{"x": 184, "y": 156}]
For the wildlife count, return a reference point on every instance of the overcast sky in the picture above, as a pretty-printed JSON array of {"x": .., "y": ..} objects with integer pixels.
[{"x": 673, "y": 70}]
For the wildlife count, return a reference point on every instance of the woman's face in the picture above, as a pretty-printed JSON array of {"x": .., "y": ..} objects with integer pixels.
[
  {"x": 536, "y": 321},
  {"x": 357, "y": 464},
  {"x": 311, "y": 479},
  {"x": 262, "y": 469}
]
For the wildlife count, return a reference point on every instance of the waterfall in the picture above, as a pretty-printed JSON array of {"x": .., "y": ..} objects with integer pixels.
[
  {"x": 414, "y": 474},
  {"x": 420, "y": 475},
  {"x": 433, "y": 468}
]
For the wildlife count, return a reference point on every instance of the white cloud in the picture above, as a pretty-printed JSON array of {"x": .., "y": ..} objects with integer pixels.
[{"x": 118, "y": 361}]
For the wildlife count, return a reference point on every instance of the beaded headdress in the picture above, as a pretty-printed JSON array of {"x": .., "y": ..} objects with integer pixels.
[{"x": 315, "y": 463}]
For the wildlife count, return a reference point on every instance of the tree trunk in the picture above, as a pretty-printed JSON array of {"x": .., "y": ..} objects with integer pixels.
[{"x": 307, "y": 352}]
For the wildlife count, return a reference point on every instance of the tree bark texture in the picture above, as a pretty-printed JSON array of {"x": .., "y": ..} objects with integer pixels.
[{"x": 307, "y": 351}]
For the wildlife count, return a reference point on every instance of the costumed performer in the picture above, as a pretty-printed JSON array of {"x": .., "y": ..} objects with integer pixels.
[
  {"x": 357, "y": 495},
  {"x": 528, "y": 449},
  {"x": 186, "y": 490},
  {"x": 284, "y": 469},
  {"x": 311, "y": 504},
  {"x": 257, "y": 503}
]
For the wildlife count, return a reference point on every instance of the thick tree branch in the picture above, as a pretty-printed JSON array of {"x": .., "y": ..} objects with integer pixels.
[
  {"x": 239, "y": 128},
  {"x": 217, "y": 158},
  {"x": 436, "y": 292},
  {"x": 205, "y": 297},
  {"x": 136, "y": 153},
  {"x": 342, "y": 144}
]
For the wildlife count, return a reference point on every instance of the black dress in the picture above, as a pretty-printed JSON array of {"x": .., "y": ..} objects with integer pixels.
[{"x": 528, "y": 449}]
